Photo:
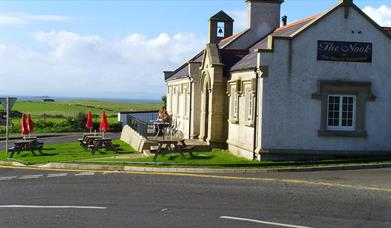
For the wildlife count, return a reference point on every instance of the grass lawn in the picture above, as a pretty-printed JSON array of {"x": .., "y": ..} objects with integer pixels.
[
  {"x": 66, "y": 152},
  {"x": 200, "y": 158},
  {"x": 224, "y": 159}
]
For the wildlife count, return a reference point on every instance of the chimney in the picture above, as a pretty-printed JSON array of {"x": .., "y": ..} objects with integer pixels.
[
  {"x": 284, "y": 20},
  {"x": 264, "y": 16},
  {"x": 220, "y": 27},
  {"x": 347, "y": 2}
]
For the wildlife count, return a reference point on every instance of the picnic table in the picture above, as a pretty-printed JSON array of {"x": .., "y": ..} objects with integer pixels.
[
  {"x": 30, "y": 144},
  {"x": 101, "y": 143},
  {"x": 172, "y": 146},
  {"x": 88, "y": 140}
]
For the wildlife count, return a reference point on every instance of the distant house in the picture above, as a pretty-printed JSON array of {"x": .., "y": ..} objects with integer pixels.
[
  {"x": 48, "y": 100},
  {"x": 318, "y": 87}
]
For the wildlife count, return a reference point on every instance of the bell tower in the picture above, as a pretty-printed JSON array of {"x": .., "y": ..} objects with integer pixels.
[{"x": 220, "y": 27}]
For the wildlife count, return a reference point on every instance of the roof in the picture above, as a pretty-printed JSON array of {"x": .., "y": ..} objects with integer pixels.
[
  {"x": 221, "y": 16},
  {"x": 231, "y": 57},
  {"x": 183, "y": 71},
  {"x": 250, "y": 61},
  {"x": 290, "y": 29},
  {"x": 223, "y": 43}
]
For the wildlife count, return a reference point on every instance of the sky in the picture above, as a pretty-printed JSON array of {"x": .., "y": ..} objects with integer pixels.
[{"x": 118, "y": 49}]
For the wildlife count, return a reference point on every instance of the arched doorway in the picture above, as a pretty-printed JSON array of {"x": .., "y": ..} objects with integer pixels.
[{"x": 205, "y": 108}]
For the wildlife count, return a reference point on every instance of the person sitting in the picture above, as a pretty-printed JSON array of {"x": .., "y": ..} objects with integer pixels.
[{"x": 162, "y": 119}]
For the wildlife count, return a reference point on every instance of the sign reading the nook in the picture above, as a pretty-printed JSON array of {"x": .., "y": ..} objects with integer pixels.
[{"x": 344, "y": 51}]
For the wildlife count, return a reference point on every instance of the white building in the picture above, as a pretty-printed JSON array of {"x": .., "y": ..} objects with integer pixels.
[{"x": 318, "y": 87}]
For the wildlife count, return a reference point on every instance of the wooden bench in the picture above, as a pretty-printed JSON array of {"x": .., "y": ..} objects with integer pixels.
[
  {"x": 26, "y": 145},
  {"x": 171, "y": 146},
  {"x": 103, "y": 143}
]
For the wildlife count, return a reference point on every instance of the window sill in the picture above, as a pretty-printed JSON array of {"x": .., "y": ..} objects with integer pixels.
[
  {"x": 249, "y": 124},
  {"x": 353, "y": 134},
  {"x": 234, "y": 121}
]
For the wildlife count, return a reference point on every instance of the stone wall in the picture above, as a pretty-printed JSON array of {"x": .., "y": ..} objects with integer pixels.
[{"x": 134, "y": 139}]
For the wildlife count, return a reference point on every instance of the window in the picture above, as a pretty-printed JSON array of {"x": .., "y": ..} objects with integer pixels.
[
  {"x": 169, "y": 102},
  {"x": 341, "y": 112},
  {"x": 220, "y": 29},
  {"x": 249, "y": 94},
  {"x": 249, "y": 106},
  {"x": 343, "y": 107},
  {"x": 234, "y": 93},
  {"x": 235, "y": 105},
  {"x": 185, "y": 97}
]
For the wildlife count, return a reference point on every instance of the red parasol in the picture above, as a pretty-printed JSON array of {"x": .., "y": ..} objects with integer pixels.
[
  {"x": 29, "y": 124},
  {"x": 23, "y": 125},
  {"x": 104, "y": 126},
  {"x": 89, "y": 124}
]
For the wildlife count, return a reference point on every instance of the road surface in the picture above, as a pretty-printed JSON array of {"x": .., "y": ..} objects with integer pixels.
[{"x": 37, "y": 198}]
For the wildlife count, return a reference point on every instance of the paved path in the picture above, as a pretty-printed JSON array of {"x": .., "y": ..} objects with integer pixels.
[{"x": 37, "y": 198}]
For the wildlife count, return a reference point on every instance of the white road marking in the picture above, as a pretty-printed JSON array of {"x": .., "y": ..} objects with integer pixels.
[
  {"x": 85, "y": 174},
  {"x": 30, "y": 177},
  {"x": 7, "y": 178},
  {"x": 57, "y": 175},
  {"x": 53, "y": 207},
  {"x": 263, "y": 222}
]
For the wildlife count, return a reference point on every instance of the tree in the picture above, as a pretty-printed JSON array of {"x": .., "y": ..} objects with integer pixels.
[{"x": 164, "y": 99}]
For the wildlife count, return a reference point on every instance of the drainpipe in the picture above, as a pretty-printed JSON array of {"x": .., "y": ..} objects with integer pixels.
[
  {"x": 190, "y": 104},
  {"x": 256, "y": 115}
]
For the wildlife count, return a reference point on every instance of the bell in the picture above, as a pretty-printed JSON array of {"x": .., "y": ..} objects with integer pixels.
[{"x": 220, "y": 31}]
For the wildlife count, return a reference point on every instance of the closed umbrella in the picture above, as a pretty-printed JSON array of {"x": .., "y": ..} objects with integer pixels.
[
  {"x": 23, "y": 125},
  {"x": 29, "y": 124},
  {"x": 104, "y": 126},
  {"x": 89, "y": 123}
]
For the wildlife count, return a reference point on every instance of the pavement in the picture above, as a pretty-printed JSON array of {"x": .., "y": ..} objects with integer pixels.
[{"x": 65, "y": 198}]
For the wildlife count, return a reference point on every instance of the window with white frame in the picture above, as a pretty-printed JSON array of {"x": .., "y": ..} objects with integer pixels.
[
  {"x": 169, "y": 97},
  {"x": 341, "y": 112},
  {"x": 178, "y": 102},
  {"x": 233, "y": 92},
  {"x": 248, "y": 87},
  {"x": 185, "y": 98},
  {"x": 343, "y": 107},
  {"x": 236, "y": 105},
  {"x": 250, "y": 105}
]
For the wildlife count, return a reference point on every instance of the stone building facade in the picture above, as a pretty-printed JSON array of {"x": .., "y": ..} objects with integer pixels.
[{"x": 317, "y": 87}]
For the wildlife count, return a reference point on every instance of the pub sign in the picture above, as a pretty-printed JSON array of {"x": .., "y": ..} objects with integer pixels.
[{"x": 344, "y": 51}]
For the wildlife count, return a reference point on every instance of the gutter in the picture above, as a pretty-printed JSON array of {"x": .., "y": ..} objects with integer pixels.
[
  {"x": 255, "y": 115},
  {"x": 190, "y": 104}
]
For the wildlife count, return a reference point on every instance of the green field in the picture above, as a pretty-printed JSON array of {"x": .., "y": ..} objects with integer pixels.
[
  {"x": 56, "y": 116},
  {"x": 71, "y": 108}
]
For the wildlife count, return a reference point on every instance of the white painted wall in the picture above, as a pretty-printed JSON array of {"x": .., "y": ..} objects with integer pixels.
[
  {"x": 179, "y": 91},
  {"x": 240, "y": 135},
  {"x": 291, "y": 118}
]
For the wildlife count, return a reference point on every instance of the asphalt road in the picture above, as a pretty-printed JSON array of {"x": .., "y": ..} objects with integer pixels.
[{"x": 36, "y": 198}]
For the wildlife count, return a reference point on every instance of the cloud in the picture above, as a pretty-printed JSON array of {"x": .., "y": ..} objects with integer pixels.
[
  {"x": 381, "y": 15},
  {"x": 24, "y": 19},
  {"x": 70, "y": 64}
]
